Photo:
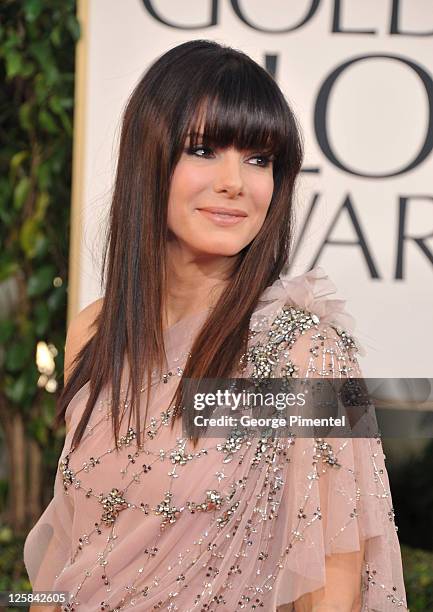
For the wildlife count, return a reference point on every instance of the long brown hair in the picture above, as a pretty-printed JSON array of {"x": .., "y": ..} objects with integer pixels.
[{"x": 242, "y": 106}]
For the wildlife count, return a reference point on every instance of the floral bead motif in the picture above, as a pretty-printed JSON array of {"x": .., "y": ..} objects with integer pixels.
[
  {"x": 287, "y": 326},
  {"x": 169, "y": 512},
  {"x": 113, "y": 503}
]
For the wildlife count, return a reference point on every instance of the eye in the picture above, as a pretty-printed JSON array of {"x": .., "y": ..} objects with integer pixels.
[
  {"x": 194, "y": 150},
  {"x": 263, "y": 161}
]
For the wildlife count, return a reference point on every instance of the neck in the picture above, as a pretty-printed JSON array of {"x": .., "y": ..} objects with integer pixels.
[{"x": 193, "y": 284}]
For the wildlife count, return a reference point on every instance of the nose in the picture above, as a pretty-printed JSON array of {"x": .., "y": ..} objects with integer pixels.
[{"x": 228, "y": 176}]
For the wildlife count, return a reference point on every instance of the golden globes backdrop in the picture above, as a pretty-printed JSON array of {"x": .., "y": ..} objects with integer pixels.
[{"x": 358, "y": 74}]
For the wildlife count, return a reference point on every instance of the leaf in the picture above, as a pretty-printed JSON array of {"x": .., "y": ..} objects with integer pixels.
[
  {"x": 29, "y": 236},
  {"x": 8, "y": 269},
  {"x": 57, "y": 298},
  {"x": 67, "y": 103},
  {"x": 32, "y": 9},
  {"x": 17, "y": 355},
  {"x": 6, "y": 534},
  {"x": 43, "y": 175},
  {"x": 55, "y": 104},
  {"x": 52, "y": 75},
  {"x": 16, "y": 162},
  {"x": 24, "y": 115},
  {"x": 40, "y": 432},
  {"x": 27, "y": 69},
  {"x": 40, "y": 88},
  {"x": 21, "y": 192},
  {"x": 66, "y": 122},
  {"x": 41, "y": 245},
  {"x": 56, "y": 36},
  {"x": 41, "y": 280},
  {"x": 6, "y": 217},
  {"x": 42, "y": 319},
  {"x": 13, "y": 63},
  {"x": 16, "y": 389},
  {"x": 42, "y": 202},
  {"x": 48, "y": 409},
  {"x": 5, "y": 188},
  {"x": 73, "y": 26},
  {"x": 7, "y": 328},
  {"x": 47, "y": 122},
  {"x": 42, "y": 52},
  {"x": 13, "y": 40}
]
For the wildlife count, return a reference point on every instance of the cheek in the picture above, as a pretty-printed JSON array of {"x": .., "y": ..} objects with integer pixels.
[
  {"x": 186, "y": 184},
  {"x": 263, "y": 190}
]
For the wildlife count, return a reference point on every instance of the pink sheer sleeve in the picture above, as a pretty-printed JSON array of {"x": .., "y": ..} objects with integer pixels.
[
  {"x": 48, "y": 545},
  {"x": 342, "y": 549}
]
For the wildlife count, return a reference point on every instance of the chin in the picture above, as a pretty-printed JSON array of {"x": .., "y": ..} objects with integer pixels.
[{"x": 218, "y": 249}]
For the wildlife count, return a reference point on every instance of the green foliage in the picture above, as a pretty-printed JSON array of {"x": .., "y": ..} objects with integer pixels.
[
  {"x": 37, "y": 55},
  {"x": 412, "y": 494},
  {"x": 418, "y": 577},
  {"x": 37, "y": 68},
  {"x": 13, "y": 576}
]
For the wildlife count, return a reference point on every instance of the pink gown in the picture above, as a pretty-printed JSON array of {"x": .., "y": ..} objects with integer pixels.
[{"x": 228, "y": 525}]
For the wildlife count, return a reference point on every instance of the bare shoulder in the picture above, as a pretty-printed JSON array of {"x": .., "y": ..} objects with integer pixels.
[{"x": 80, "y": 330}]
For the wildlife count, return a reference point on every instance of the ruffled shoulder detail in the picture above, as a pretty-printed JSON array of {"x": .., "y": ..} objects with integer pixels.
[{"x": 311, "y": 292}]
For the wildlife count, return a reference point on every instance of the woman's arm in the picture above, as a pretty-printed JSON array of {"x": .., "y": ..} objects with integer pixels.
[
  {"x": 80, "y": 331},
  {"x": 343, "y": 571},
  {"x": 342, "y": 592},
  {"x": 320, "y": 354},
  {"x": 49, "y": 553}
]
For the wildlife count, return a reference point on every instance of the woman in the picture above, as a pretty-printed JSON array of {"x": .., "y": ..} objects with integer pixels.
[{"x": 200, "y": 230}]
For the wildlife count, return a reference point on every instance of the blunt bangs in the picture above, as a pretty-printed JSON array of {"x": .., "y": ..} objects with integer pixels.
[{"x": 241, "y": 107}]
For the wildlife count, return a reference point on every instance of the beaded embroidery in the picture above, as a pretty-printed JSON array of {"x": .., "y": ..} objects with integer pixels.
[{"x": 225, "y": 505}]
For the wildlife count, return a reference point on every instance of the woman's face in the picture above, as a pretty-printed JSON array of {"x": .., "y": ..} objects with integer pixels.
[{"x": 226, "y": 181}]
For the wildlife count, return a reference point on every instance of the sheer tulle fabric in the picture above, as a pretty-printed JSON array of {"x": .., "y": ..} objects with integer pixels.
[{"x": 285, "y": 556}]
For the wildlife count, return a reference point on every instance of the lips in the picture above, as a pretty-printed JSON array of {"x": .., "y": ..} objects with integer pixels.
[
  {"x": 232, "y": 212},
  {"x": 222, "y": 219}
]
